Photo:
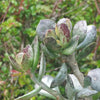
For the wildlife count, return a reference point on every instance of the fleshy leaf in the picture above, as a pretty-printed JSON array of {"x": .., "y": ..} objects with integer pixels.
[
  {"x": 42, "y": 67},
  {"x": 87, "y": 81},
  {"x": 72, "y": 87},
  {"x": 90, "y": 37},
  {"x": 65, "y": 21},
  {"x": 47, "y": 52},
  {"x": 95, "y": 78},
  {"x": 85, "y": 51},
  {"x": 86, "y": 93},
  {"x": 15, "y": 65},
  {"x": 80, "y": 29},
  {"x": 19, "y": 57},
  {"x": 72, "y": 46},
  {"x": 51, "y": 44},
  {"x": 69, "y": 89},
  {"x": 43, "y": 26},
  {"x": 61, "y": 76},
  {"x": 26, "y": 62},
  {"x": 25, "y": 58},
  {"x": 64, "y": 34},
  {"x": 76, "y": 83},
  {"x": 47, "y": 80},
  {"x": 36, "y": 52},
  {"x": 29, "y": 95},
  {"x": 50, "y": 33}
]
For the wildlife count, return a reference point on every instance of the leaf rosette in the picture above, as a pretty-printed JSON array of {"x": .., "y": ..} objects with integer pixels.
[{"x": 59, "y": 37}]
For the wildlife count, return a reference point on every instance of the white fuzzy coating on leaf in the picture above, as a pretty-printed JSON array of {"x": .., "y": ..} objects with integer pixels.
[
  {"x": 65, "y": 21},
  {"x": 76, "y": 83},
  {"x": 43, "y": 26},
  {"x": 90, "y": 37},
  {"x": 86, "y": 92},
  {"x": 80, "y": 29},
  {"x": 95, "y": 78}
]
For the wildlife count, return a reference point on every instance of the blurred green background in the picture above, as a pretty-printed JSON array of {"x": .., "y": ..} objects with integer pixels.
[{"x": 18, "y": 21}]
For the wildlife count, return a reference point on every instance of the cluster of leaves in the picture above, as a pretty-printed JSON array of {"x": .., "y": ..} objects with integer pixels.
[{"x": 18, "y": 21}]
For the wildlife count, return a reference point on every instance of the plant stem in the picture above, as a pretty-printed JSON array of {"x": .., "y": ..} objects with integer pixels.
[{"x": 71, "y": 61}]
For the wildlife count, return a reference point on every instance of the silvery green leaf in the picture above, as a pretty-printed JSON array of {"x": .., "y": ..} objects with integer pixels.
[
  {"x": 86, "y": 51},
  {"x": 72, "y": 46},
  {"x": 65, "y": 21},
  {"x": 72, "y": 87},
  {"x": 43, "y": 26},
  {"x": 80, "y": 29},
  {"x": 15, "y": 65},
  {"x": 90, "y": 37},
  {"x": 95, "y": 78},
  {"x": 69, "y": 89},
  {"x": 36, "y": 52},
  {"x": 51, "y": 44},
  {"x": 47, "y": 52},
  {"x": 70, "y": 92},
  {"x": 86, "y": 93},
  {"x": 42, "y": 67},
  {"x": 29, "y": 95},
  {"x": 47, "y": 80},
  {"x": 61, "y": 76},
  {"x": 87, "y": 81},
  {"x": 76, "y": 83}
]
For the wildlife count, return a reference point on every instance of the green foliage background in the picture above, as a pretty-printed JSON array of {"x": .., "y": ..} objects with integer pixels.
[{"x": 18, "y": 21}]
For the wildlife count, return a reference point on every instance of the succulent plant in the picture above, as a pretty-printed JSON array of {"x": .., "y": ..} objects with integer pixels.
[{"x": 57, "y": 41}]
